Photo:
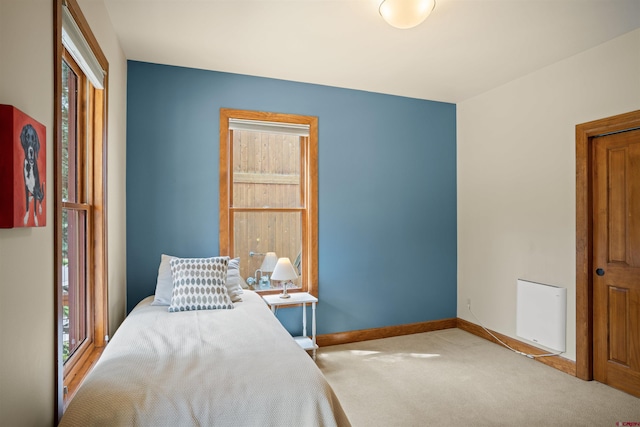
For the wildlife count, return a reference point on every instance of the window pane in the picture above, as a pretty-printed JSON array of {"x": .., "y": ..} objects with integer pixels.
[
  {"x": 266, "y": 170},
  {"x": 74, "y": 280},
  {"x": 262, "y": 232},
  {"x": 69, "y": 134}
]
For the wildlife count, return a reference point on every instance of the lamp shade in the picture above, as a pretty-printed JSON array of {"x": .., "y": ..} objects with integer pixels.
[
  {"x": 284, "y": 270},
  {"x": 269, "y": 262},
  {"x": 406, "y": 13}
]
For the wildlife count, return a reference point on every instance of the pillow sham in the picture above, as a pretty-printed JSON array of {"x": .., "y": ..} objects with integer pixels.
[
  {"x": 164, "y": 283},
  {"x": 199, "y": 284},
  {"x": 234, "y": 287}
]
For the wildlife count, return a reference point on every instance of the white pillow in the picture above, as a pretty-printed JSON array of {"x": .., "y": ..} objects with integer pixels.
[
  {"x": 199, "y": 284},
  {"x": 234, "y": 286},
  {"x": 164, "y": 284}
]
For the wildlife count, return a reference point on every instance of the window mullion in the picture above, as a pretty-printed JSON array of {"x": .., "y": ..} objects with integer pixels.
[
  {"x": 82, "y": 175},
  {"x": 303, "y": 169}
]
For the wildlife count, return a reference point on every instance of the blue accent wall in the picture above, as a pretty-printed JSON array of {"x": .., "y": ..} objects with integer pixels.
[{"x": 387, "y": 190}]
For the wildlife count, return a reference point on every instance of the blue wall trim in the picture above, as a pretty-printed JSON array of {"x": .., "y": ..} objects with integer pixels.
[{"x": 387, "y": 190}]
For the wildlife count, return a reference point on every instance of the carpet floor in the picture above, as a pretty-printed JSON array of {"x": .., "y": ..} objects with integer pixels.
[{"x": 454, "y": 378}]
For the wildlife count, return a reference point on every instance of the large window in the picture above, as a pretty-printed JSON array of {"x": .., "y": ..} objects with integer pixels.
[
  {"x": 80, "y": 237},
  {"x": 268, "y": 195},
  {"x": 76, "y": 173}
]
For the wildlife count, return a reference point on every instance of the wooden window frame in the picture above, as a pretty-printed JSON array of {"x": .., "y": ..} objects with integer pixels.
[
  {"x": 94, "y": 202},
  {"x": 309, "y": 189},
  {"x": 79, "y": 203}
]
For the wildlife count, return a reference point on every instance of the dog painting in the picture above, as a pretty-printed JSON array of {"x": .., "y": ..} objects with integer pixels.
[
  {"x": 33, "y": 190},
  {"x": 22, "y": 170}
]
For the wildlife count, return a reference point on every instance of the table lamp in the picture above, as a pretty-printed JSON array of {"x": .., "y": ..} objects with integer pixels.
[
  {"x": 284, "y": 272},
  {"x": 267, "y": 266}
]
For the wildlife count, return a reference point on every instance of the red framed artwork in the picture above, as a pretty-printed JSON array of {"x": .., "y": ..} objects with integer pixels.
[{"x": 23, "y": 170}]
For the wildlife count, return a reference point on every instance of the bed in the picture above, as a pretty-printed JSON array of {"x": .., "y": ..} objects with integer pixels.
[{"x": 235, "y": 367}]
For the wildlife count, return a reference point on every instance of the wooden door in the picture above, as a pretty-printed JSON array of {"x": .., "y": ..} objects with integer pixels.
[{"x": 616, "y": 260}]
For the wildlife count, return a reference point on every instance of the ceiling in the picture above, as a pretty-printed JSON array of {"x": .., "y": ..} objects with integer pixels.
[{"x": 464, "y": 48}]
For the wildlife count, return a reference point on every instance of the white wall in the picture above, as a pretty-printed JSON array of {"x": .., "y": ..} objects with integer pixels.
[
  {"x": 26, "y": 255},
  {"x": 516, "y": 177}
]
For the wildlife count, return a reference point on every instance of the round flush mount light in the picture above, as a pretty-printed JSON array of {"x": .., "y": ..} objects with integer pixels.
[{"x": 405, "y": 14}]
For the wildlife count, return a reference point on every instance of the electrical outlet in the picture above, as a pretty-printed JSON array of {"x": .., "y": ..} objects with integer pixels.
[{"x": 468, "y": 302}]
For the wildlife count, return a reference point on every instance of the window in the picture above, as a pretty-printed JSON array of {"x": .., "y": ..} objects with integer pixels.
[
  {"x": 80, "y": 214},
  {"x": 75, "y": 210},
  {"x": 269, "y": 195}
]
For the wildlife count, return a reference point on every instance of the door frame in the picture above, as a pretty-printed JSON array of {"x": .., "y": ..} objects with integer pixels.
[{"x": 585, "y": 133}]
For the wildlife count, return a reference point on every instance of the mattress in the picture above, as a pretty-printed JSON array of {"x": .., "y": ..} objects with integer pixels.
[{"x": 236, "y": 367}]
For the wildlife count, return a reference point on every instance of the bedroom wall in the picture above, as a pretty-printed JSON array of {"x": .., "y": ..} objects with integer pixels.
[
  {"x": 516, "y": 177},
  {"x": 387, "y": 184},
  {"x": 26, "y": 255}
]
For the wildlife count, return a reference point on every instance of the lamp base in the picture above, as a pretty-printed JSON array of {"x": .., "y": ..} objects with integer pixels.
[{"x": 284, "y": 293}]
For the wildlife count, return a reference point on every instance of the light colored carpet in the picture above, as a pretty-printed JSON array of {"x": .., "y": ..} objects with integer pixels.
[{"x": 453, "y": 378}]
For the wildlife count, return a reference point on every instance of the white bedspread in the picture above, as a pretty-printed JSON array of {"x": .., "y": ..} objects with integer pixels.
[{"x": 235, "y": 367}]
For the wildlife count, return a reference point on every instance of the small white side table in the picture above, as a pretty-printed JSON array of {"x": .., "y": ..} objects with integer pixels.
[{"x": 297, "y": 298}]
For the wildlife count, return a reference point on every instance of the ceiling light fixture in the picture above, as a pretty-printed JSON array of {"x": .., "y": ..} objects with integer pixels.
[{"x": 405, "y": 14}]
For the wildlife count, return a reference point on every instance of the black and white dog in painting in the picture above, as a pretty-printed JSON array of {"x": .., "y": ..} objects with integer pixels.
[{"x": 33, "y": 190}]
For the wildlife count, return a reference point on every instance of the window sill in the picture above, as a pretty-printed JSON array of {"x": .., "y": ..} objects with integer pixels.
[{"x": 74, "y": 378}]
